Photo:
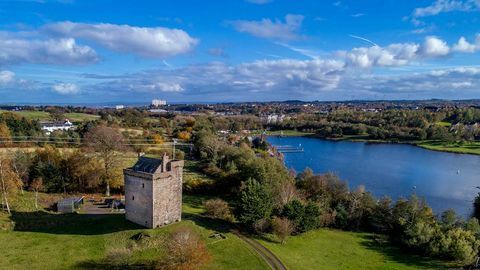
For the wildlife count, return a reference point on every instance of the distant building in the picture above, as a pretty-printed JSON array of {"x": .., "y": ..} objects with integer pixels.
[
  {"x": 50, "y": 127},
  {"x": 153, "y": 191},
  {"x": 158, "y": 102},
  {"x": 119, "y": 107}
]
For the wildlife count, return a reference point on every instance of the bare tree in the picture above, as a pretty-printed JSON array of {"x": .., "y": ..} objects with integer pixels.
[
  {"x": 286, "y": 193},
  {"x": 107, "y": 143},
  {"x": 37, "y": 185}
]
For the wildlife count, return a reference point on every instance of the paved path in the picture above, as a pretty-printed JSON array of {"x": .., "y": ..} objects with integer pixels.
[{"x": 270, "y": 258}]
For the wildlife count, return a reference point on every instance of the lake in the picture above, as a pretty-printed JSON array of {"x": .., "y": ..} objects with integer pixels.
[{"x": 445, "y": 180}]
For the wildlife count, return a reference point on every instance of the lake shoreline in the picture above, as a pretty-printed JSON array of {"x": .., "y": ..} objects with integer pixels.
[
  {"x": 428, "y": 145},
  {"x": 382, "y": 165}
]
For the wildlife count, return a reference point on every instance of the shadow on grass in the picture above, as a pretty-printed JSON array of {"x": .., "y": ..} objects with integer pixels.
[
  {"x": 77, "y": 224},
  {"x": 110, "y": 266},
  {"x": 379, "y": 244}
]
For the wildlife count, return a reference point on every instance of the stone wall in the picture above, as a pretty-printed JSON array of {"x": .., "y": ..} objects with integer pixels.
[
  {"x": 167, "y": 197},
  {"x": 138, "y": 200}
]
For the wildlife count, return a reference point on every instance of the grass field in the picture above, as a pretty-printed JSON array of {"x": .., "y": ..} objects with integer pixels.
[
  {"x": 331, "y": 249},
  {"x": 42, "y": 240},
  {"x": 45, "y": 116},
  {"x": 454, "y": 147}
]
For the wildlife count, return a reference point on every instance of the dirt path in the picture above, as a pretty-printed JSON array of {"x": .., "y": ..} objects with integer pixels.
[{"x": 270, "y": 258}]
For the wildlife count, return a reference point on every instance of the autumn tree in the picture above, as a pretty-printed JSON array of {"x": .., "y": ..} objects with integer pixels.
[
  {"x": 5, "y": 135},
  {"x": 184, "y": 251},
  {"x": 9, "y": 181},
  {"x": 37, "y": 185},
  {"x": 282, "y": 228},
  {"x": 106, "y": 143}
]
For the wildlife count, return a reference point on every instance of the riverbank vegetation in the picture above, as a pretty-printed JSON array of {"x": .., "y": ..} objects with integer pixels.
[
  {"x": 453, "y": 130},
  {"x": 310, "y": 201}
]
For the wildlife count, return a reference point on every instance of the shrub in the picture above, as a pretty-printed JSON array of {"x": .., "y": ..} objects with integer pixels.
[
  {"x": 282, "y": 228},
  {"x": 184, "y": 251},
  {"x": 262, "y": 226},
  {"x": 218, "y": 208}
]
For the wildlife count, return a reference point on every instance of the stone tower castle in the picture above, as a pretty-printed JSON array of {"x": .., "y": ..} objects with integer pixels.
[{"x": 153, "y": 191}]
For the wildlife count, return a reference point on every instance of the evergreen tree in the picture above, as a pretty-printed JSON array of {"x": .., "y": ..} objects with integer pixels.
[{"x": 255, "y": 203}]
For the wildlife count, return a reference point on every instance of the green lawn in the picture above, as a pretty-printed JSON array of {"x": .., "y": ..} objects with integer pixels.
[
  {"x": 454, "y": 147},
  {"x": 45, "y": 240},
  {"x": 45, "y": 116},
  {"x": 331, "y": 249}
]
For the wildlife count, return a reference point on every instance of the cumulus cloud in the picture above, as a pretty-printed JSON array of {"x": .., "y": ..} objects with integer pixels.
[
  {"x": 66, "y": 88},
  {"x": 443, "y": 6},
  {"x": 218, "y": 81},
  {"x": 466, "y": 47},
  {"x": 400, "y": 54},
  {"x": 434, "y": 47},
  {"x": 431, "y": 83},
  {"x": 16, "y": 50},
  {"x": 266, "y": 28},
  {"x": 144, "y": 41}
]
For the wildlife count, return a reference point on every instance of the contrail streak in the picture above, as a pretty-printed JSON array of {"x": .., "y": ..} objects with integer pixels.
[{"x": 364, "y": 39}]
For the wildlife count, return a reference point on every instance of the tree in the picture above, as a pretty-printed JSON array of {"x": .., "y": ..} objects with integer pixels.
[
  {"x": 5, "y": 135},
  {"x": 476, "y": 206},
  {"x": 184, "y": 251},
  {"x": 37, "y": 185},
  {"x": 282, "y": 228},
  {"x": 255, "y": 203},
  {"x": 218, "y": 208},
  {"x": 106, "y": 142},
  {"x": 9, "y": 181}
]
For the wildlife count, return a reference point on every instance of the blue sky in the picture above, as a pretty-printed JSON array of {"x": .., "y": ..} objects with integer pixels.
[{"x": 96, "y": 51}]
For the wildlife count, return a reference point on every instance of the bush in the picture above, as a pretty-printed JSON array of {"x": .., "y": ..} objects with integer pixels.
[
  {"x": 218, "y": 208},
  {"x": 262, "y": 226},
  {"x": 184, "y": 251},
  {"x": 282, "y": 228}
]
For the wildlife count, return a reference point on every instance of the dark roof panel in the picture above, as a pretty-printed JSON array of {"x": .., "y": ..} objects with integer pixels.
[{"x": 147, "y": 165}]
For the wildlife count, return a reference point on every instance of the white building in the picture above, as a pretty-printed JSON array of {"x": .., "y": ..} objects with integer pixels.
[
  {"x": 119, "y": 107},
  {"x": 158, "y": 102},
  {"x": 50, "y": 127}
]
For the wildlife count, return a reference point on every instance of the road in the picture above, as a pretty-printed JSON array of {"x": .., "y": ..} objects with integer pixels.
[{"x": 270, "y": 258}]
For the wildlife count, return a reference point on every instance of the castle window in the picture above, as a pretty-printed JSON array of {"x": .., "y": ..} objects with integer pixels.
[
  {"x": 133, "y": 198},
  {"x": 143, "y": 185}
]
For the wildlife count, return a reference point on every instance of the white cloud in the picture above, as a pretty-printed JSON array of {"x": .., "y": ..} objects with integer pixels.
[
  {"x": 144, "y": 41},
  {"x": 266, "y": 28},
  {"x": 434, "y": 47},
  {"x": 16, "y": 50},
  {"x": 66, "y": 88},
  {"x": 6, "y": 77},
  {"x": 466, "y": 47},
  {"x": 443, "y": 6}
]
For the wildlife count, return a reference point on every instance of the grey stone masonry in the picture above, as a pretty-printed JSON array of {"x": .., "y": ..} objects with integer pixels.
[{"x": 153, "y": 191}]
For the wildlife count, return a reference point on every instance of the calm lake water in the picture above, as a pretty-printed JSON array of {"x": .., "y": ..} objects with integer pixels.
[{"x": 445, "y": 180}]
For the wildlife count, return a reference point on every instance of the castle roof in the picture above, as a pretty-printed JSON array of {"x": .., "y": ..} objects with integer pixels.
[{"x": 147, "y": 165}]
